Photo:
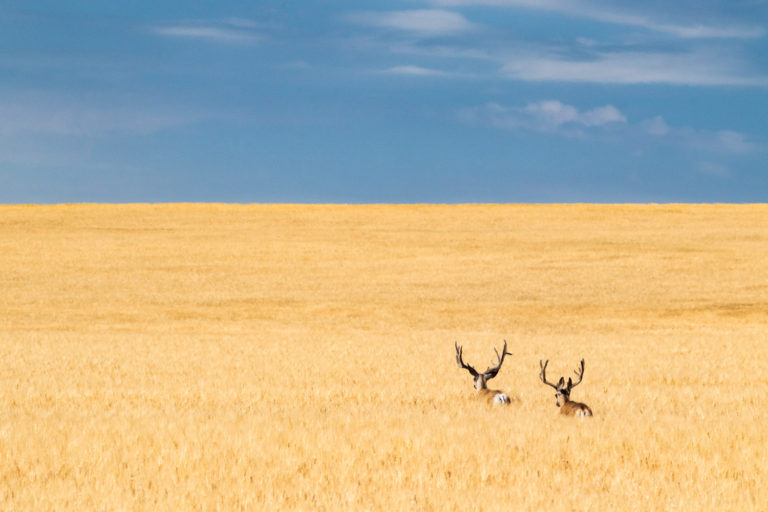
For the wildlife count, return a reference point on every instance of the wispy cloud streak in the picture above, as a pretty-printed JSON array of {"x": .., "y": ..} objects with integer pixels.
[
  {"x": 424, "y": 22},
  {"x": 555, "y": 117},
  {"x": 611, "y": 14},
  {"x": 691, "y": 68},
  {"x": 626, "y": 61},
  {"x": 543, "y": 116},
  {"x": 719, "y": 141},
  {"x": 415, "y": 71},
  {"x": 232, "y": 30}
]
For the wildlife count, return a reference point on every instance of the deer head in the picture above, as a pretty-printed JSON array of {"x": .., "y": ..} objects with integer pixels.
[
  {"x": 562, "y": 390},
  {"x": 481, "y": 379}
]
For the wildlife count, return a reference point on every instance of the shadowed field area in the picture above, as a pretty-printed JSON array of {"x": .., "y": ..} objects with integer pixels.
[{"x": 246, "y": 357}]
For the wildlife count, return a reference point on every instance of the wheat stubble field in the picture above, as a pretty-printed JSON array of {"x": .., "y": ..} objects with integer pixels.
[{"x": 278, "y": 357}]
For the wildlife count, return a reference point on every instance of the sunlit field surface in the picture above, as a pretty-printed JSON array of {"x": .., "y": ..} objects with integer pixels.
[{"x": 275, "y": 357}]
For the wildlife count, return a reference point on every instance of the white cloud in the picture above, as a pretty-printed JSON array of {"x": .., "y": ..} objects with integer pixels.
[
  {"x": 693, "y": 68},
  {"x": 544, "y": 116},
  {"x": 552, "y": 116},
  {"x": 554, "y": 113},
  {"x": 424, "y": 22},
  {"x": 703, "y": 31},
  {"x": 551, "y": 113},
  {"x": 733, "y": 142},
  {"x": 415, "y": 71},
  {"x": 539, "y": 63},
  {"x": 721, "y": 141},
  {"x": 603, "y": 115},
  {"x": 611, "y": 13},
  {"x": 623, "y": 62},
  {"x": 655, "y": 126},
  {"x": 232, "y": 30}
]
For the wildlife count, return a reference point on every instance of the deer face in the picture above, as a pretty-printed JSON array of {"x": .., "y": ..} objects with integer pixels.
[
  {"x": 563, "y": 392},
  {"x": 480, "y": 382}
]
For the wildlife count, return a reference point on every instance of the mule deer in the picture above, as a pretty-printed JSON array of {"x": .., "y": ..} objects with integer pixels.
[
  {"x": 563, "y": 392},
  {"x": 492, "y": 396}
]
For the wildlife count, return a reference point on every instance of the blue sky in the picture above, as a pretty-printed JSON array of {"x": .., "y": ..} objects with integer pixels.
[{"x": 398, "y": 101}]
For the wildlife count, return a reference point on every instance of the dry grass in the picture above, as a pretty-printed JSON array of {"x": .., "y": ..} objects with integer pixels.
[{"x": 212, "y": 357}]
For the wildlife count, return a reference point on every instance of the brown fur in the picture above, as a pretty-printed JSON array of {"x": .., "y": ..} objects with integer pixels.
[
  {"x": 489, "y": 394},
  {"x": 572, "y": 408},
  {"x": 563, "y": 391},
  {"x": 481, "y": 379}
]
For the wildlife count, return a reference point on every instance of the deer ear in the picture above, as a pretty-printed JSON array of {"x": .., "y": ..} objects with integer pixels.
[
  {"x": 561, "y": 382},
  {"x": 570, "y": 383}
]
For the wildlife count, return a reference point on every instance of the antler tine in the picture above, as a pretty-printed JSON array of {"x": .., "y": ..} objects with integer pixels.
[
  {"x": 460, "y": 360},
  {"x": 493, "y": 370},
  {"x": 543, "y": 373},
  {"x": 579, "y": 373},
  {"x": 500, "y": 358}
]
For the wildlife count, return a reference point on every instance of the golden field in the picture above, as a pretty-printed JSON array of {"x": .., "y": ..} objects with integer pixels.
[{"x": 277, "y": 357}]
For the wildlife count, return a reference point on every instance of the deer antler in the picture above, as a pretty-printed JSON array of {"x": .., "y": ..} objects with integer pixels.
[
  {"x": 579, "y": 373},
  {"x": 492, "y": 371},
  {"x": 543, "y": 374},
  {"x": 461, "y": 362}
]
